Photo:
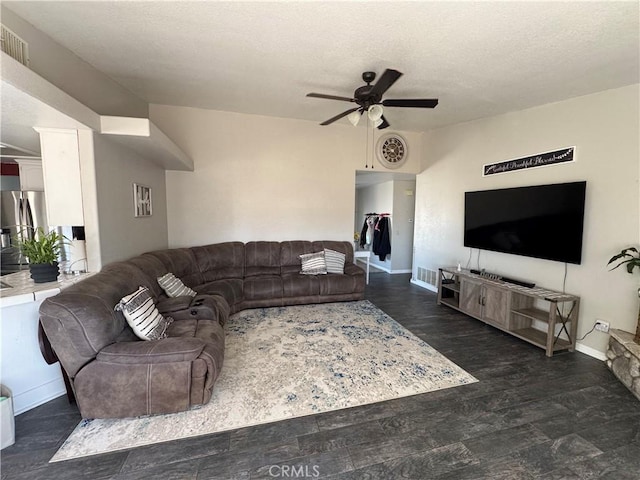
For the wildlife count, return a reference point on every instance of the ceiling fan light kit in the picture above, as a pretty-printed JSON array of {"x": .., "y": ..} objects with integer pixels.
[
  {"x": 354, "y": 117},
  {"x": 369, "y": 98}
]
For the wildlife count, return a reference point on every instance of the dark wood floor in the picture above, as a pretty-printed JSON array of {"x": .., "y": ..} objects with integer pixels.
[{"x": 528, "y": 417}]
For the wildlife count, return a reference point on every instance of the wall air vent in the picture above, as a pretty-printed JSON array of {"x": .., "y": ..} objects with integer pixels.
[
  {"x": 14, "y": 46},
  {"x": 428, "y": 276}
]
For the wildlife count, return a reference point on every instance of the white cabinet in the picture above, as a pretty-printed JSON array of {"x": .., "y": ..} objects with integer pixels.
[
  {"x": 61, "y": 166},
  {"x": 22, "y": 367},
  {"x": 31, "y": 177}
]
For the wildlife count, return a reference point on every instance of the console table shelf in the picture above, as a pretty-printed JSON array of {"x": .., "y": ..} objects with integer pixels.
[
  {"x": 533, "y": 313},
  {"x": 513, "y": 308}
]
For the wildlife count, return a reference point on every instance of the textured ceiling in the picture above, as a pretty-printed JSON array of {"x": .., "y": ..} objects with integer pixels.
[{"x": 479, "y": 58}]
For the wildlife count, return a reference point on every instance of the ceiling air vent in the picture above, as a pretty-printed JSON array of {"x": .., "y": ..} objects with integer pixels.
[{"x": 14, "y": 46}]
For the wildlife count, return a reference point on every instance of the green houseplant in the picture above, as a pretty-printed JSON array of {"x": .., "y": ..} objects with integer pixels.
[
  {"x": 630, "y": 257},
  {"x": 42, "y": 249}
]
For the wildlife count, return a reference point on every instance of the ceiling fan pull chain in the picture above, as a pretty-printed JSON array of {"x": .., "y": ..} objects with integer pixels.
[
  {"x": 373, "y": 134},
  {"x": 366, "y": 148}
]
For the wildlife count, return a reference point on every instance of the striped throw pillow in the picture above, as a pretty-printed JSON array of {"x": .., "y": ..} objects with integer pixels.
[
  {"x": 313, "y": 264},
  {"x": 143, "y": 316},
  {"x": 335, "y": 261},
  {"x": 174, "y": 287}
]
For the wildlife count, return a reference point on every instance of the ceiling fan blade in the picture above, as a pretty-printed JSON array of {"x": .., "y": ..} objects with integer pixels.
[
  {"x": 384, "y": 123},
  {"x": 387, "y": 79},
  {"x": 330, "y": 97},
  {"x": 338, "y": 117},
  {"x": 412, "y": 103}
]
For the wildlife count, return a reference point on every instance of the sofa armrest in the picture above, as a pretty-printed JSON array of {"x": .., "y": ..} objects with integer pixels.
[
  {"x": 352, "y": 269},
  {"x": 166, "y": 350}
]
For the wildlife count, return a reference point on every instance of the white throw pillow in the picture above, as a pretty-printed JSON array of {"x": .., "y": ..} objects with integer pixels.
[
  {"x": 313, "y": 264},
  {"x": 174, "y": 287},
  {"x": 335, "y": 261},
  {"x": 143, "y": 316}
]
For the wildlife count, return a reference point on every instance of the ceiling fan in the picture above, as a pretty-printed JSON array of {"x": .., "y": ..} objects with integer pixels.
[{"x": 369, "y": 99}]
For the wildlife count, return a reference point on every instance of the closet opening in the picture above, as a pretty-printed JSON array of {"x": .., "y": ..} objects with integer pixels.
[{"x": 384, "y": 221}]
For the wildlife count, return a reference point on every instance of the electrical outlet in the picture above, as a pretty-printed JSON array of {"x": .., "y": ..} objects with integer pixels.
[{"x": 602, "y": 326}]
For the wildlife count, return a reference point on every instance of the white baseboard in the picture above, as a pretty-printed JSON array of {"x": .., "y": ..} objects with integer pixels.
[
  {"x": 393, "y": 272},
  {"x": 37, "y": 396},
  {"x": 592, "y": 352},
  {"x": 425, "y": 285}
]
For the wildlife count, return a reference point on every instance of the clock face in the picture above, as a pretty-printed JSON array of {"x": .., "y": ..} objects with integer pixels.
[{"x": 392, "y": 150}]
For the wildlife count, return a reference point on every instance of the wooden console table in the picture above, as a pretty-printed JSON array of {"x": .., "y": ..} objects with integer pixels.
[{"x": 513, "y": 308}]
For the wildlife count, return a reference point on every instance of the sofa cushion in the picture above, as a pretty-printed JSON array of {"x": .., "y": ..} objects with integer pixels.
[
  {"x": 298, "y": 285},
  {"x": 290, "y": 252},
  {"x": 174, "y": 287},
  {"x": 114, "y": 281},
  {"x": 231, "y": 290},
  {"x": 338, "y": 246},
  {"x": 142, "y": 315},
  {"x": 166, "y": 350},
  {"x": 182, "y": 263},
  {"x": 334, "y": 260},
  {"x": 313, "y": 264},
  {"x": 262, "y": 287},
  {"x": 262, "y": 258},
  {"x": 152, "y": 268},
  {"x": 209, "y": 331},
  {"x": 202, "y": 306},
  {"x": 220, "y": 261},
  {"x": 337, "y": 284},
  {"x": 167, "y": 306}
]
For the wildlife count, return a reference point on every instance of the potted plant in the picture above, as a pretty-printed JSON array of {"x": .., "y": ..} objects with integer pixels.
[
  {"x": 630, "y": 257},
  {"x": 42, "y": 249}
]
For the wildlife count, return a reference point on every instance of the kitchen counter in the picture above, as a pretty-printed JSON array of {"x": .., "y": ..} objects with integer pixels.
[
  {"x": 22, "y": 367},
  {"x": 24, "y": 290}
]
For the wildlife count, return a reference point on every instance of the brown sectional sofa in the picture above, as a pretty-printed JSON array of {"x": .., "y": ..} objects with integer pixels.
[{"x": 115, "y": 374}]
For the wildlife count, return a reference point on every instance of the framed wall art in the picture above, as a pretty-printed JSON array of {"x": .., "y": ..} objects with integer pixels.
[{"x": 142, "y": 205}]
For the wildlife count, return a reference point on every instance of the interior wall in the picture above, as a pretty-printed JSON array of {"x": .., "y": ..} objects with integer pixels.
[
  {"x": 263, "y": 178},
  {"x": 73, "y": 75},
  {"x": 404, "y": 207},
  {"x": 605, "y": 128},
  {"x": 122, "y": 235}
]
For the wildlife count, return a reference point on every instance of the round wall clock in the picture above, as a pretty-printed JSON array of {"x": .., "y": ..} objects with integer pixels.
[{"x": 392, "y": 150}]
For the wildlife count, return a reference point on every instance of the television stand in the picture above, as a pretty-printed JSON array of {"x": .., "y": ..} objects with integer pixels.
[{"x": 513, "y": 308}]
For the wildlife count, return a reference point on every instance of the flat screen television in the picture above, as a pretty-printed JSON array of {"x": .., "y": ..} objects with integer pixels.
[{"x": 543, "y": 221}]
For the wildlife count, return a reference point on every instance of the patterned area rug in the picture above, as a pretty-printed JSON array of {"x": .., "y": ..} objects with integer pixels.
[{"x": 289, "y": 362}]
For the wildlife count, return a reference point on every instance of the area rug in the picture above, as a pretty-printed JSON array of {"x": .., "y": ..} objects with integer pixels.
[{"x": 287, "y": 362}]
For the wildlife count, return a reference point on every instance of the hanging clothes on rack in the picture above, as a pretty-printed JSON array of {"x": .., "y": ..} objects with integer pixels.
[
  {"x": 366, "y": 235},
  {"x": 371, "y": 224},
  {"x": 382, "y": 238}
]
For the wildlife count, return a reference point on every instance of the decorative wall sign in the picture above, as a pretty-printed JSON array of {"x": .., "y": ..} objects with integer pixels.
[
  {"x": 534, "y": 161},
  {"x": 142, "y": 201}
]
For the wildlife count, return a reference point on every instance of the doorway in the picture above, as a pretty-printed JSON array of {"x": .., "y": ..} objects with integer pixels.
[{"x": 392, "y": 194}]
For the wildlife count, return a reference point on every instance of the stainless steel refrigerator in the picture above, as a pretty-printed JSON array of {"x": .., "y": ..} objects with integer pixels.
[{"x": 21, "y": 213}]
